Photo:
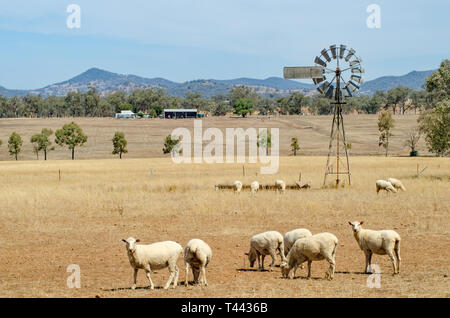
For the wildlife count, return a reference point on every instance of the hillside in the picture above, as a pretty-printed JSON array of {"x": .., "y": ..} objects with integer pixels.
[{"x": 107, "y": 82}]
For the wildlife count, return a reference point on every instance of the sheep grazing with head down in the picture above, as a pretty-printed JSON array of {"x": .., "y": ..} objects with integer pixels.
[
  {"x": 197, "y": 255},
  {"x": 313, "y": 248},
  {"x": 267, "y": 243},
  {"x": 280, "y": 185},
  {"x": 254, "y": 187},
  {"x": 377, "y": 242},
  {"x": 397, "y": 184},
  {"x": 237, "y": 186},
  {"x": 384, "y": 185},
  {"x": 152, "y": 257},
  {"x": 291, "y": 237}
]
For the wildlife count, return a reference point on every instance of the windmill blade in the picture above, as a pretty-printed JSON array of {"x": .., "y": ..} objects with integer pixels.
[
  {"x": 359, "y": 70},
  {"x": 318, "y": 80},
  {"x": 350, "y": 54},
  {"x": 319, "y": 61},
  {"x": 354, "y": 63},
  {"x": 330, "y": 91},
  {"x": 325, "y": 55},
  {"x": 354, "y": 87},
  {"x": 356, "y": 78},
  {"x": 342, "y": 51},
  {"x": 333, "y": 51},
  {"x": 347, "y": 92},
  {"x": 322, "y": 88}
]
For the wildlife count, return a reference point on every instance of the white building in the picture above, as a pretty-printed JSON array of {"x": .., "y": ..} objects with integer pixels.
[{"x": 126, "y": 114}]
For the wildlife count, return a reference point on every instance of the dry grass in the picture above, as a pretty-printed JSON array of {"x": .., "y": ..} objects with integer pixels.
[
  {"x": 48, "y": 224},
  {"x": 146, "y": 136}
]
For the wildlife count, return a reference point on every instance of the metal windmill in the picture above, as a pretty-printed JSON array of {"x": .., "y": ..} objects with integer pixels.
[{"x": 333, "y": 63}]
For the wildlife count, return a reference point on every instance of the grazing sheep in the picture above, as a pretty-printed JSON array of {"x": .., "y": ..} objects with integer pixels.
[
  {"x": 384, "y": 185},
  {"x": 291, "y": 237},
  {"x": 197, "y": 255},
  {"x": 377, "y": 242},
  {"x": 313, "y": 248},
  {"x": 281, "y": 185},
  {"x": 397, "y": 184},
  {"x": 254, "y": 186},
  {"x": 263, "y": 244},
  {"x": 237, "y": 186},
  {"x": 153, "y": 256}
]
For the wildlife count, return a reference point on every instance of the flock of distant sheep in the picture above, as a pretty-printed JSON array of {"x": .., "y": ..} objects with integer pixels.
[{"x": 296, "y": 247}]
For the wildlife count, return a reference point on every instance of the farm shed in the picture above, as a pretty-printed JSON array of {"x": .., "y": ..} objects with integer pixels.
[
  {"x": 125, "y": 114},
  {"x": 180, "y": 113}
]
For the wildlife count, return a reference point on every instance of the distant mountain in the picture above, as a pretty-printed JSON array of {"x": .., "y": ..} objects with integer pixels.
[
  {"x": 108, "y": 82},
  {"x": 413, "y": 80}
]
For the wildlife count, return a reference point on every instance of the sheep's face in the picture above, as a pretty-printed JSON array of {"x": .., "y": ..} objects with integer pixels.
[
  {"x": 131, "y": 243},
  {"x": 285, "y": 269},
  {"x": 356, "y": 226},
  {"x": 251, "y": 258}
]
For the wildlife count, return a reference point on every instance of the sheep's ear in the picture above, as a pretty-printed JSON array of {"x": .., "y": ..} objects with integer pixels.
[
  {"x": 124, "y": 240},
  {"x": 138, "y": 240},
  {"x": 246, "y": 254},
  {"x": 350, "y": 223},
  {"x": 361, "y": 222}
]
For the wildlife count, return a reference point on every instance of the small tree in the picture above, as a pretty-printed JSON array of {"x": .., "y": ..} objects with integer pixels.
[
  {"x": 119, "y": 144},
  {"x": 265, "y": 140},
  {"x": 15, "y": 144},
  {"x": 243, "y": 107},
  {"x": 294, "y": 145},
  {"x": 435, "y": 125},
  {"x": 42, "y": 143},
  {"x": 385, "y": 124},
  {"x": 71, "y": 135},
  {"x": 412, "y": 141},
  {"x": 170, "y": 144}
]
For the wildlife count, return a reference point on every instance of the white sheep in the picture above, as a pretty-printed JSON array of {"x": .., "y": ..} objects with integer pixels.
[
  {"x": 254, "y": 187},
  {"x": 281, "y": 185},
  {"x": 237, "y": 186},
  {"x": 152, "y": 257},
  {"x": 313, "y": 248},
  {"x": 263, "y": 244},
  {"x": 397, "y": 184},
  {"x": 384, "y": 185},
  {"x": 377, "y": 242},
  {"x": 291, "y": 237},
  {"x": 197, "y": 255}
]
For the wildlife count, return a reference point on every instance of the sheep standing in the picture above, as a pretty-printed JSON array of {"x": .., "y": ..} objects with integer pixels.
[
  {"x": 152, "y": 257},
  {"x": 254, "y": 187},
  {"x": 197, "y": 255},
  {"x": 384, "y": 185},
  {"x": 280, "y": 185},
  {"x": 237, "y": 186},
  {"x": 263, "y": 244},
  {"x": 397, "y": 184},
  {"x": 313, "y": 248},
  {"x": 291, "y": 237},
  {"x": 377, "y": 242}
]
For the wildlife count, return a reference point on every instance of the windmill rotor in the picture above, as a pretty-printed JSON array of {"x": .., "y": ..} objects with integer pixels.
[{"x": 339, "y": 65}]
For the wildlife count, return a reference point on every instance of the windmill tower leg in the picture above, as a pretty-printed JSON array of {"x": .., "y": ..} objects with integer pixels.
[{"x": 330, "y": 146}]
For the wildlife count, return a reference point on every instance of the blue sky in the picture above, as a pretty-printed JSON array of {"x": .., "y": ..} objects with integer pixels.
[{"x": 183, "y": 40}]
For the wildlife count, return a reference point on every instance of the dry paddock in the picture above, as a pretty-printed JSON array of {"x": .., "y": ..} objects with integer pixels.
[{"x": 48, "y": 224}]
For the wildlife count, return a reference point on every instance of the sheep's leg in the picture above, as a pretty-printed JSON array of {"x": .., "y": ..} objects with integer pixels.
[
  {"x": 172, "y": 274},
  {"x": 186, "y": 282},
  {"x": 397, "y": 253},
  {"x": 147, "y": 272},
  {"x": 394, "y": 265},
  {"x": 204, "y": 276},
  {"x": 134, "y": 278},
  {"x": 259, "y": 260},
  {"x": 177, "y": 272},
  {"x": 330, "y": 273},
  {"x": 262, "y": 261},
  {"x": 274, "y": 258},
  {"x": 309, "y": 269},
  {"x": 368, "y": 269}
]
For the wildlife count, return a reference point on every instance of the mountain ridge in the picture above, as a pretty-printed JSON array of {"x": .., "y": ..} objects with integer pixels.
[{"x": 107, "y": 82}]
